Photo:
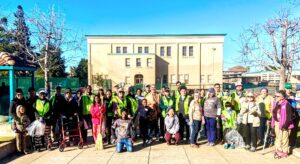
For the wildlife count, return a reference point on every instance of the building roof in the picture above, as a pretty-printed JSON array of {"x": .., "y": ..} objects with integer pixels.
[
  {"x": 156, "y": 35},
  {"x": 7, "y": 59},
  {"x": 237, "y": 69}
]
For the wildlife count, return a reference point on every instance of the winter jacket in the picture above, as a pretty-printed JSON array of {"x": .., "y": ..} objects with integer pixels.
[
  {"x": 21, "y": 123},
  {"x": 98, "y": 113},
  {"x": 285, "y": 112},
  {"x": 250, "y": 113},
  {"x": 68, "y": 107}
]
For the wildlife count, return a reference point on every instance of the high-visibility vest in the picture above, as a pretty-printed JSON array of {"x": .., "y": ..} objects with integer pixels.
[
  {"x": 86, "y": 104},
  {"x": 120, "y": 104},
  {"x": 230, "y": 119},
  {"x": 268, "y": 104},
  {"x": 176, "y": 94},
  {"x": 186, "y": 104},
  {"x": 134, "y": 104},
  {"x": 41, "y": 108},
  {"x": 236, "y": 98},
  {"x": 167, "y": 102}
]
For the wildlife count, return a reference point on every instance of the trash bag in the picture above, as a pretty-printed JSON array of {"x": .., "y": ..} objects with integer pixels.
[
  {"x": 36, "y": 128},
  {"x": 232, "y": 136}
]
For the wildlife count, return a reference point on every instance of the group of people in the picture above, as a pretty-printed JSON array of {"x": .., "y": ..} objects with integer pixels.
[{"x": 171, "y": 117}]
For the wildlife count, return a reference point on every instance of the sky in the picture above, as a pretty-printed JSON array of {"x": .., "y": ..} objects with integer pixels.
[{"x": 93, "y": 17}]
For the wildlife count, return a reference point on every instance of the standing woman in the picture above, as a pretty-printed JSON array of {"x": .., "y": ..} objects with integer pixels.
[
  {"x": 195, "y": 117},
  {"x": 250, "y": 122},
  {"x": 97, "y": 111},
  {"x": 282, "y": 122}
]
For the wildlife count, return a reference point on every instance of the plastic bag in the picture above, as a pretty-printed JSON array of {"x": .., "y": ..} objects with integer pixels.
[
  {"x": 37, "y": 128},
  {"x": 233, "y": 136}
]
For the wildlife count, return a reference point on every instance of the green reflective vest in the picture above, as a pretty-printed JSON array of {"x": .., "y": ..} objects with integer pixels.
[
  {"x": 120, "y": 104},
  {"x": 86, "y": 104},
  {"x": 41, "y": 108},
  {"x": 230, "y": 119},
  {"x": 236, "y": 98},
  {"x": 110, "y": 103},
  {"x": 134, "y": 104},
  {"x": 267, "y": 101},
  {"x": 186, "y": 104},
  {"x": 167, "y": 103}
]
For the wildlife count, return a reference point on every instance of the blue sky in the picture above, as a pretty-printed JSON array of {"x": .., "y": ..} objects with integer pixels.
[{"x": 161, "y": 17}]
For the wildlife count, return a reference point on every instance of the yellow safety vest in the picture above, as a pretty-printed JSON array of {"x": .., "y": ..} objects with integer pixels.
[
  {"x": 268, "y": 104},
  {"x": 41, "y": 108},
  {"x": 167, "y": 103},
  {"x": 186, "y": 104}
]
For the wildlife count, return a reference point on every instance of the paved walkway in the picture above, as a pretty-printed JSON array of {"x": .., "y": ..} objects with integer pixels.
[{"x": 155, "y": 154}]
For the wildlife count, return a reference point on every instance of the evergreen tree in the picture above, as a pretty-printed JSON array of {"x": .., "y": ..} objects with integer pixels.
[
  {"x": 22, "y": 33},
  {"x": 6, "y": 38},
  {"x": 82, "y": 69}
]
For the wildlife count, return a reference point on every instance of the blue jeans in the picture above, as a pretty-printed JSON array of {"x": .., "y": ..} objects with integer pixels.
[
  {"x": 195, "y": 127},
  {"x": 127, "y": 142},
  {"x": 211, "y": 129}
]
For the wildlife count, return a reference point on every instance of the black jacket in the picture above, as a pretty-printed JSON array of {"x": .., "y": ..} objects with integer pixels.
[
  {"x": 13, "y": 106},
  {"x": 69, "y": 108}
]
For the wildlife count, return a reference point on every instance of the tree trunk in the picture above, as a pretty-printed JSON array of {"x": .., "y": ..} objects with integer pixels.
[
  {"x": 47, "y": 86},
  {"x": 282, "y": 77}
]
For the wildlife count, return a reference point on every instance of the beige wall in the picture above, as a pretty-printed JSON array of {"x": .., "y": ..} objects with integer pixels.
[{"x": 205, "y": 61}]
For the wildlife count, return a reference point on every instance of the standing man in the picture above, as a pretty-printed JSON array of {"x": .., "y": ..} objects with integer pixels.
[
  {"x": 123, "y": 103},
  {"x": 153, "y": 102},
  {"x": 85, "y": 105},
  {"x": 146, "y": 91},
  {"x": 176, "y": 93},
  {"x": 110, "y": 112},
  {"x": 56, "y": 104},
  {"x": 265, "y": 105},
  {"x": 133, "y": 101},
  {"x": 238, "y": 96},
  {"x": 182, "y": 103},
  {"x": 30, "y": 101},
  {"x": 290, "y": 95},
  {"x": 166, "y": 102},
  {"x": 18, "y": 100},
  {"x": 220, "y": 95}
]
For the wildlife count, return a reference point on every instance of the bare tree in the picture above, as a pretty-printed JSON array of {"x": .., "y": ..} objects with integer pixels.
[
  {"x": 274, "y": 45},
  {"x": 48, "y": 29}
]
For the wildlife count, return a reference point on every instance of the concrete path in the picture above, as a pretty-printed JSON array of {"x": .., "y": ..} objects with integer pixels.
[{"x": 158, "y": 153}]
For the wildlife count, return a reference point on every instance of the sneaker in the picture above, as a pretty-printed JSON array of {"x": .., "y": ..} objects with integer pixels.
[
  {"x": 252, "y": 149},
  {"x": 212, "y": 144},
  {"x": 247, "y": 147},
  {"x": 226, "y": 146},
  {"x": 232, "y": 146}
]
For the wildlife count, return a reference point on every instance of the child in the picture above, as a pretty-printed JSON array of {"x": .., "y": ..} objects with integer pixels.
[
  {"x": 229, "y": 122},
  {"x": 143, "y": 112},
  {"x": 97, "y": 112},
  {"x": 19, "y": 127}
]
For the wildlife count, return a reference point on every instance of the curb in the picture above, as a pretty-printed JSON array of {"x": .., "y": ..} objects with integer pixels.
[
  {"x": 7, "y": 148},
  {"x": 296, "y": 152}
]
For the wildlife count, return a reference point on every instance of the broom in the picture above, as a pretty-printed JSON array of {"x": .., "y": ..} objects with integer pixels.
[{"x": 99, "y": 142}]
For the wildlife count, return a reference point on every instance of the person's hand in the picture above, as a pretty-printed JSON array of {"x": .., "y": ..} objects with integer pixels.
[{"x": 75, "y": 114}]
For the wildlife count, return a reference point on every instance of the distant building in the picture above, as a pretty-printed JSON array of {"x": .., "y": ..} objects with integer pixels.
[
  {"x": 234, "y": 74},
  {"x": 194, "y": 59},
  {"x": 268, "y": 76}
]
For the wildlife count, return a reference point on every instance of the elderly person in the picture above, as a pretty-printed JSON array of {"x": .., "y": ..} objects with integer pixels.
[
  {"x": 282, "y": 122},
  {"x": 172, "y": 127},
  {"x": 195, "y": 117},
  {"x": 212, "y": 111},
  {"x": 250, "y": 122}
]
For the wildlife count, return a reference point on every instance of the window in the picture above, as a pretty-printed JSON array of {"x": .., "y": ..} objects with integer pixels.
[
  {"x": 124, "y": 50},
  {"x": 173, "y": 79},
  {"x": 138, "y": 62},
  {"x": 127, "y": 62},
  {"x": 181, "y": 77},
  {"x": 140, "y": 50},
  {"x": 202, "y": 79},
  {"x": 186, "y": 78},
  {"x": 127, "y": 80},
  {"x": 162, "y": 51},
  {"x": 138, "y": 79},
  {"x": 149, "y": 62},
  {"x": 165, "y": 79},
  {"x": 184, "y": 51},
  {"x": 118, "y": 50},
  {"x": 190, "y": 50},
  {"x": 210, "y": 79},
  {"x": 168, "y": 51},
  {"x": 146, "y": 49}
]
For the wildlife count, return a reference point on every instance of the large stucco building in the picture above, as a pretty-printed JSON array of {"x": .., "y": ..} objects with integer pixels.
[{"x": 194, "y": 59}]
